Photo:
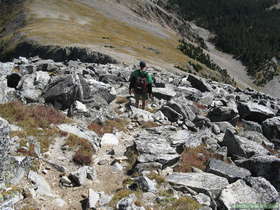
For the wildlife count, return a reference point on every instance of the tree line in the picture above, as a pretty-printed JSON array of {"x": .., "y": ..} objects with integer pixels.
[{"x": 248, "y": 29}]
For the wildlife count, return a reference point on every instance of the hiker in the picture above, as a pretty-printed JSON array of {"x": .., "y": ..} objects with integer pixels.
[{"x": 141, "y": 85}]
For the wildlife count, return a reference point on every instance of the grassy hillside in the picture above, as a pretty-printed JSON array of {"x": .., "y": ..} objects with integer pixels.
[
  {"x": 69, "y": 22},
  {"x": 73, "y": 23}
]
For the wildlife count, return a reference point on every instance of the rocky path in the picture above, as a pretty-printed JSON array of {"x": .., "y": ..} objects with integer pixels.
[{"x": 198, "y": 145}]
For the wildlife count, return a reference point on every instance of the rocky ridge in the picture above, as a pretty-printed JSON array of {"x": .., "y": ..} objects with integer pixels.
[{"x": 111, "y": 155}]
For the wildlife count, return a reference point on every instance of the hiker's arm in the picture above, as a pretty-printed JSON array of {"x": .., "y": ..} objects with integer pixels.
[{"x": 131, "y": 84}]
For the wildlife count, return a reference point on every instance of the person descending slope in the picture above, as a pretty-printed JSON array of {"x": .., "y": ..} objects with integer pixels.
[{"x": 141, "y": 84}]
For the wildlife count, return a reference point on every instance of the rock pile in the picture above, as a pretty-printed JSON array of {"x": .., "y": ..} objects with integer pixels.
[{"x": 143, "y": 149}]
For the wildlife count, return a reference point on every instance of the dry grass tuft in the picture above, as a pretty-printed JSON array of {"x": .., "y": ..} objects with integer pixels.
[
  {"x": 195, "y": 157},
  {"x": 83, "y": 149},
  {"x": 108, "y": 126},
  {"x": 200, "y": 106},
  {"x": 121, "y": 100},
  {"x": 36, "y": 121},
  {"x": 149, "y": 124},
  {"x": 44, "y": 136},
  {"x": 122, "y": 193},
  {"x": 33, "y": 116},
  {"x": 157, "y": 177},
  {"x": 183, "y": 203}
]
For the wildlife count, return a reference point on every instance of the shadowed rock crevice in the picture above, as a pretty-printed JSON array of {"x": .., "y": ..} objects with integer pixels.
[{"x": 13, "y": 80}]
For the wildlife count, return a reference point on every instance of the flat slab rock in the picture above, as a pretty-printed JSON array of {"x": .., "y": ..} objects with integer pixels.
[
  {"x": 154, "y": 148},
  {"x": 229, "y": 171},
  {"x": 200, "y": 182},
  {"x": 240, "y": 146},
  {"x": 238, "y": 193},
  {"x": 91, "y": 136}
]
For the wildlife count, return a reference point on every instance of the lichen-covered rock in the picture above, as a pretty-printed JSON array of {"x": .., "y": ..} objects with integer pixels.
[
  {"x": 254, "y": 112},
  {"x": 239, "y": 193},
  {"x": 242, "y": 147},
  {"x": 154, "y": 148},
  {"x": 146, "y": 184},
  {"x": 128, "y": 203},
  {"x": 263, "y": 166},
  {"x": 166, "y": 93},
  {"x": 41, "y": 185},
  {"x": 223, "y": 113},
  {"x": 200, "y": 182},
  {"x": 229, "y": 171},
  {"x": 271, "y": 128},
  {"x": 199, "y": 83}
]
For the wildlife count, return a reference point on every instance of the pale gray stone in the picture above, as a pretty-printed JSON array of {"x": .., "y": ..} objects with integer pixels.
[
  {"x": 229, "y": 171},
  {"x": 81, "y": 132},
  {"x": 242, "y": 147},
  {"x": 109, "y": 139},
  {"x": 254, "y": 112},
  {"x": 166, "y": 93},
  {"x": 42, "y": 186},
  {"x": 200, "y": 182},
  {"x": 146, "y": 184},
  {"x": 93, "y": 198}
]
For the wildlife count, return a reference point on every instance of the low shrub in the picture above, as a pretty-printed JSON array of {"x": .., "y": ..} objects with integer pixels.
[
  {"x": 83, "y": 149},
  {"x": 31, "y": 116},
  {"x": 195, "y": 157}
]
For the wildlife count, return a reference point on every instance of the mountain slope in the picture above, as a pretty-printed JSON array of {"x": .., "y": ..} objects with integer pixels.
[{"x": 78, "y": 23}]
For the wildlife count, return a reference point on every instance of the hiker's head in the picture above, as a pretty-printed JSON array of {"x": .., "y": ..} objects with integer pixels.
[{"x": 142, "y": 64}]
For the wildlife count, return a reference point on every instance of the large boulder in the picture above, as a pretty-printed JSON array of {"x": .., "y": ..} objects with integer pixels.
[
  {"x": 171, "y": 114},
  {"x": 242, "y": 147},
  {"x": 41, "y": 185},
  {"x": 6, "y": 68},
  {"x": 200, "y": 182},
  {"x": 261, "y": 185},
  {"x": 264, "y": 166},
  {"x": 166, "y": 93},
  {"x": 190, "y": 93},
  {"x": 199, "y": 83},
  {"x": 141, "y": 115},
  {"x": 63, "y": 91},
  {"x": 218, "y": 114},
  {"x": 155, "y": 148},
  {"x": 258, "y": 138},
  {"x": 254, "y": 112},
  {"x": 81, "y": 132},
  {"x": 251, "y": 126},
  {"x": 240, "y": 195},
  {"x": 28, "y": 89},
  {"x": 7, "y": 93},
  {"x": 271, "y": 128},
  {"x": 229, "y": 171}
]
